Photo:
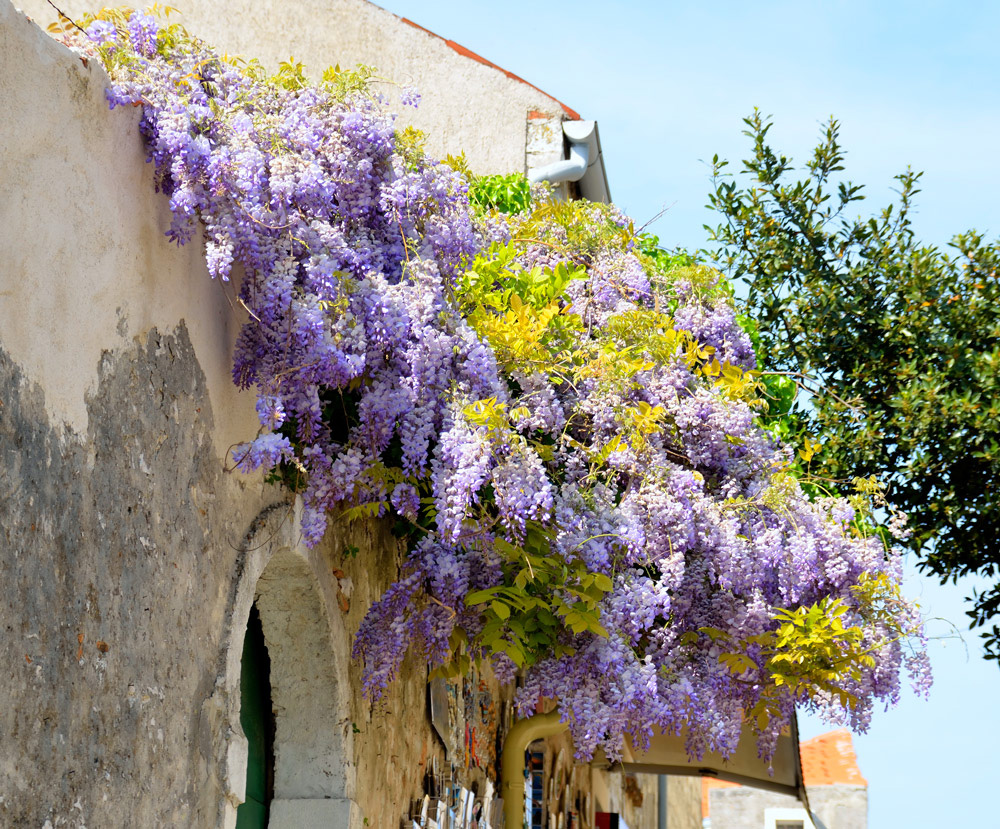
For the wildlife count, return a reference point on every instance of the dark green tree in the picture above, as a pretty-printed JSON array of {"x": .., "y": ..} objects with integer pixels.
[{"x": 896, "y": 343}]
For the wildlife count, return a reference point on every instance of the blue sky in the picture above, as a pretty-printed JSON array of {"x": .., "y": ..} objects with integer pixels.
[
  {"x": 915, "y": 83},
  {"x": 912, "y": 83}
]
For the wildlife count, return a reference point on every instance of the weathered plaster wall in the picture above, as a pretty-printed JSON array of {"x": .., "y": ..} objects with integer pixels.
[
  {"x": 118, "y": 547},
  {"x": 128, "y": 557},
  {"x": 466, "y": 104},
  {"x": 86, "y": 265},
  {"x": 120, "y": 532}
]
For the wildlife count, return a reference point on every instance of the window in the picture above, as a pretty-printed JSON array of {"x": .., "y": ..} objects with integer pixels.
[
  {"x": 795, "y": 818},
  {"x": 534, "y": 789}
]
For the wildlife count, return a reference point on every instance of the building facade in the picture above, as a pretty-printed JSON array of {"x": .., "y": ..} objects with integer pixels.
[{"x": 836, "y": 790}]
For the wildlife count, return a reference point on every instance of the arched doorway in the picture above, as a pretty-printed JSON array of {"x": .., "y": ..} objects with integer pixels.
[
  {"x": 257, "y": 721},
  {"x": 288, "y": 589}
]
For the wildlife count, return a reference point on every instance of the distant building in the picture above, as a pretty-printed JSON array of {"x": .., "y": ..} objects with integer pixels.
[{"x": 837, "y": 793}]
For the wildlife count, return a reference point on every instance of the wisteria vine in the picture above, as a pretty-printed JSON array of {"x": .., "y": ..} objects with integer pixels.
[{"x": 563, "y": 421}]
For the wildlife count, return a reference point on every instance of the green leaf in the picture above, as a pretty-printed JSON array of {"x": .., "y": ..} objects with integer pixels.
[
  {"x": 480, "y": 596},
  {"x": 602, "y": 582}
]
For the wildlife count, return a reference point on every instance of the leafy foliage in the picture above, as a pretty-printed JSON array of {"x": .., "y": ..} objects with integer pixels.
[
  {"x": 898, "y": 344},
  {"x": 812, "y": 652},
  {"x": 540, "y": 597},
  {"x": 509, "y": 193}
]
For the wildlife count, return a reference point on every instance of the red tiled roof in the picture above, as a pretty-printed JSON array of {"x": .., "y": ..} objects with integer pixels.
[
  {"x": 829, "y": 759},
  {"x": 468, "y": 53}
]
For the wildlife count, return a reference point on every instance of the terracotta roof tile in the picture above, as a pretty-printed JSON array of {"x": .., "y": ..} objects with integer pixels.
[{"x": 829, "y": 759}]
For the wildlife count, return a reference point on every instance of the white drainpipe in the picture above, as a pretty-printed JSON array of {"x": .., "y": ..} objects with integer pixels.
[
  {"x": 584, "y": 165},
  {"x": 569, "y": 169}
]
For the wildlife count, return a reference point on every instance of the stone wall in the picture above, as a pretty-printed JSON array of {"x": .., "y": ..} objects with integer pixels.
[
  {"x": 118, "y": 546},
  {"x": 395, "y": 746},
  {"x": 839, "y": 806}
]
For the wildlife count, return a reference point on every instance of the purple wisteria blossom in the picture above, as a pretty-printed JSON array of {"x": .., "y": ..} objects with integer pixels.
[{"x": 350, "y": 258}]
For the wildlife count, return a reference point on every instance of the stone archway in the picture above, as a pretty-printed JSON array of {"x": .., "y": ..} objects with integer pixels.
[{"x": 309, "y": 654}]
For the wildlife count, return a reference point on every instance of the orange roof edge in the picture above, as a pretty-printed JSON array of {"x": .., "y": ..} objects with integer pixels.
[
  {"x": 468, "y": 53},
  {"x": 829, "y": 759}
]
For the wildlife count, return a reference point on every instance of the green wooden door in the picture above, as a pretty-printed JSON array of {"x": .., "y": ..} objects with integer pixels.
[{"x": 257, "y": 720}]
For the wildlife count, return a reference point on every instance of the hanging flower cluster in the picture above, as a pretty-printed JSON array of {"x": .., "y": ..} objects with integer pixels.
[{"x": 562, "y": 423}]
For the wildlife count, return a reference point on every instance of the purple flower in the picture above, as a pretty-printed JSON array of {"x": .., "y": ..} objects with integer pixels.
[
  {"x": 406, "y": 501},
  {"x": 102, "y": 32},
  {"x": 142, "y": 30},
  {"x": 266, "y": 451},
  {"x": 409, "y": 97}
]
